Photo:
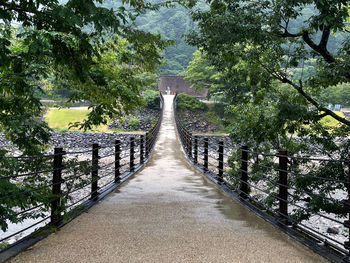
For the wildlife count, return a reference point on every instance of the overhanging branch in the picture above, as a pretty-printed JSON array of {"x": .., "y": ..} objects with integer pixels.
[
  {"x": 301, "y": 91},
  {"x": 321, "y": 48},
  {"x": 315, "y": 103}
]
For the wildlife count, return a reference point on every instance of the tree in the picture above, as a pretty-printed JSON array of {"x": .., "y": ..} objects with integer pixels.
[
  {"x": 202, "y": 75},
  {"x": 259, "y": 34},
  {"x": 67, "y": 42},
  {"x": 339, "y": 94},
  {"x": 94, "y": 52},
  {"x": 257, "y": 45}
]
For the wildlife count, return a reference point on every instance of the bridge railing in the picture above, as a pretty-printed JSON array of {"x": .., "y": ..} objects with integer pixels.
[
  {"x": 271, "y": 185},
  {"x": 47, "y": 191}
]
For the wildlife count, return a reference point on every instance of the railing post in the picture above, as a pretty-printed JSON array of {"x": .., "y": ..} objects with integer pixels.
[
  {"x": 283, "y": 186},
  {"x": 205, "y": 157},
  {"x": 117, "y": 161},
  {"x": 195, "y": 152},
  {"x": 56, "y": 208},
  {"x": 142, "y": 160},
  {"x": 184, "y": 138},
  {"x": 221, "y": 162},
  {"x": 244, "y": 172},
  {"x": 190, "y": 145},
  {"x": 188, "y": 142},
  {"x": 132, "y": 153},
  {"x": 347, "y": 204},
  {"x": 151, "y": 140},
  {"x": 147, "y": 144},
  {"x": 94, "y": 172}
]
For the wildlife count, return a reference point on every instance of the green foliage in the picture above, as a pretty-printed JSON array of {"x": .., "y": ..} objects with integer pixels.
[
  {"x": 100, "y": 65},
  {"x": 152, "y": 99},
  {"x": 255, "y": 55},
  {"x": 150, "y": 81},
  {"x": 77, "y": 47},
  {"x": 190, "y": 103},
  {"x": 339, "y": 94},
  {"x": 202, "y": 75},
  {"x": 213, "y": 119},
  {"x": 219, "y": 109},
  {"x": 3, "y": 245},
  {"x": 282, "y": 60},
  {"x": 134, "y": 123}
]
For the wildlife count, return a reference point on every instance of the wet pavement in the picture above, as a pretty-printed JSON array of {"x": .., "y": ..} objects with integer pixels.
[{"x": 168, "y": 212}]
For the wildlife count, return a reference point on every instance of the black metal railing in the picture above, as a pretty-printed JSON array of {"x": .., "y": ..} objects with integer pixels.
[
  {"x": 272, "y": 190},
  {"x": 59, "y": 186}
]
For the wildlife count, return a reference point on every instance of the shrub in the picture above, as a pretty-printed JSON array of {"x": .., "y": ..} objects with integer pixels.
[
  {"x": 152, "y": 99},
  {"x": 219, "y": 109},
  {"x": 187, "y": 102},
  {"x": 134, "y": 123}
]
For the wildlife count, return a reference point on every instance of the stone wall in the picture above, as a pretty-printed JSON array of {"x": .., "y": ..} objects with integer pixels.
[{"x": 177, "y": 84}]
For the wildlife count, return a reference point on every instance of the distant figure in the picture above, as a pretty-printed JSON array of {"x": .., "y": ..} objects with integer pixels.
[{"x": 168, "y": 90}]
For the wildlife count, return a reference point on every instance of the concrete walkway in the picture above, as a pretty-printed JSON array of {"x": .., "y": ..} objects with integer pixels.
[{"x": 168, "y": 212}]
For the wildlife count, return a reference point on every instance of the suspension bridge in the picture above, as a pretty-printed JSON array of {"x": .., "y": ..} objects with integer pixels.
[{"x": 168, "y": 212}]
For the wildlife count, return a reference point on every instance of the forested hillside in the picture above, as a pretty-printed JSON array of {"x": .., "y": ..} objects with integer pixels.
[{"x": 172, "y": 24}]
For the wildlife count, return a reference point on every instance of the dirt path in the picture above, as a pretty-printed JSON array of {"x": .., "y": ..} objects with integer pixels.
[{"x": 168, "y": 212}]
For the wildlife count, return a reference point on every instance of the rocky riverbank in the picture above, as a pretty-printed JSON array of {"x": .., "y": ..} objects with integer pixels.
[
  {"x": 201, "y": 122},
  {"x": 347, "y": 114},
  {"x": 141, "y": 120},
  {"x": 80, "y": 140},
  {"x": 86, "y": 139}
]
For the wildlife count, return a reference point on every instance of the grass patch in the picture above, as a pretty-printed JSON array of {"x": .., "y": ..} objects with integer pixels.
[
  {"x": 330, "y": 122},
  {"x": 60, "y": 119}
]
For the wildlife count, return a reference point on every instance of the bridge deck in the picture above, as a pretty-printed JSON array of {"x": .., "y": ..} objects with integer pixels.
[{"x": 168, "y": 212}]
